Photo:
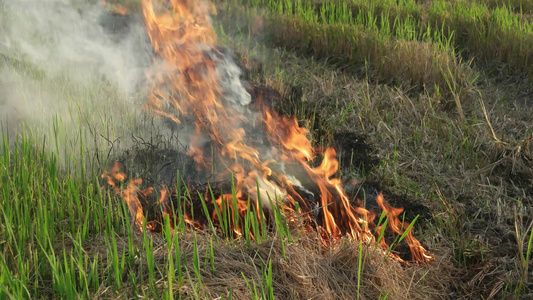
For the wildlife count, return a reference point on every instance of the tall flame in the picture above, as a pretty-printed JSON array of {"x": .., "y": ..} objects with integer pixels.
[{"x": 186, "y": 83}]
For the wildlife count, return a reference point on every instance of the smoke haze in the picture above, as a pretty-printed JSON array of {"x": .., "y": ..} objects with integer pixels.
[
  {"x": 72, "y": 66},
  {"x": 72, "y": 70},
  {"x": 85, "y": 40}
]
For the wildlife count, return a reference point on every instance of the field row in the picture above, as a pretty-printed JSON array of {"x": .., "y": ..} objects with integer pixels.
[{"x": 497, "y": 38}]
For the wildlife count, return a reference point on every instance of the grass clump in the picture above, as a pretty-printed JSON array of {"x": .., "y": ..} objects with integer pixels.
[
  {"x": 490, "y": 35},
  {"x": 518, "y": 6}
]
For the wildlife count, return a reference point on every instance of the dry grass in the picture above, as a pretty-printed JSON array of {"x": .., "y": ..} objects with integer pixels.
[
  {"x": 306, "y": 271},
  {"x": 470, "y": 171},
  {"x": 417, "y": 63}
]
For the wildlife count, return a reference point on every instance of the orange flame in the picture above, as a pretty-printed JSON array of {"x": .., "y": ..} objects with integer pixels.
[
  {"x": 186, "y": 84},
  {"x": 117, "y": 8},
  {"x": 130, "y": 194}
]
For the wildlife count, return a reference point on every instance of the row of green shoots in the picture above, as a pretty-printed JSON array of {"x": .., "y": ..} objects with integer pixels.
[{"x": 69, "y": 236}]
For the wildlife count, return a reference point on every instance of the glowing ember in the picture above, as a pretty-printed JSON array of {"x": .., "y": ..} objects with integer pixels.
[{"x": 195, "y": 81}]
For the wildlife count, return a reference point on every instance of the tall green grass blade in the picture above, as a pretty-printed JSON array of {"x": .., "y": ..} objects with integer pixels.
[
  {"x": 207, "y": 215},
  {"x": 408, "y": 230}
]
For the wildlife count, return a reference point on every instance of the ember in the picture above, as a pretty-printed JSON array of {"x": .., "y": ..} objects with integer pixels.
[{"x": 194, "y": 81}]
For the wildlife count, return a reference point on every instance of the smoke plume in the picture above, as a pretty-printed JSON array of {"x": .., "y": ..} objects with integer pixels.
[{"x": 71, "y": 71}]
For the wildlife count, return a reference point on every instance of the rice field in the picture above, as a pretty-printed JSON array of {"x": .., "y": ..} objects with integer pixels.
[{"x": 440, "y": 91}]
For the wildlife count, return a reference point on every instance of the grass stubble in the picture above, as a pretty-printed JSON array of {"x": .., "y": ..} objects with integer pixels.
[{"x": 436, "y": 91}]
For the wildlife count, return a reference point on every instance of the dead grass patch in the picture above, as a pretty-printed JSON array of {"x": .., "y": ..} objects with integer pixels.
[{"x": 307, "y": 270}]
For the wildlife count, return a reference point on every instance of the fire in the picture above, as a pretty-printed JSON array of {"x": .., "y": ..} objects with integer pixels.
[
  {"x": 117, "y": 8},
  {"x": 187, "y": 84},
  {"x": 130, "y": 194}
]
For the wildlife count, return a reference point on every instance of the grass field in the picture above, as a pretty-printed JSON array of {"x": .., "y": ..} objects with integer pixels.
[{"x": 440, "y": 91}]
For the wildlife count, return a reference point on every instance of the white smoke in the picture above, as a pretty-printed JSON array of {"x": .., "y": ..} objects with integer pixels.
[
  {"x": 70, "y": 70},
  {"x": 85, "y": 40},
  {"x": 230, "y": 83}
]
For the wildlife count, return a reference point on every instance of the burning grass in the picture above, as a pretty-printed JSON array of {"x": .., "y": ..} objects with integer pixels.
[
  {"x": 192, "y": 85},
  {"x": 426, "y": 152},
  {"x": 91, "y": 249},
  {"x": 63, "y": 234}
]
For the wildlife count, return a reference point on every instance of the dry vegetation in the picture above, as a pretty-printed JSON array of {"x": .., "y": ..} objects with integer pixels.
[{"x": 440, "y": 90}]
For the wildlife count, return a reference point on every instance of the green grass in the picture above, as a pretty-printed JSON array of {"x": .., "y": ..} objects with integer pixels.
[
  {"x": 389, "y": 44},
  {"x": 487, "y": 33},
  {"x": 518, "y": 6},
  {"x": 49, "y": 221},
  {"x": 68, "y": 237}
]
